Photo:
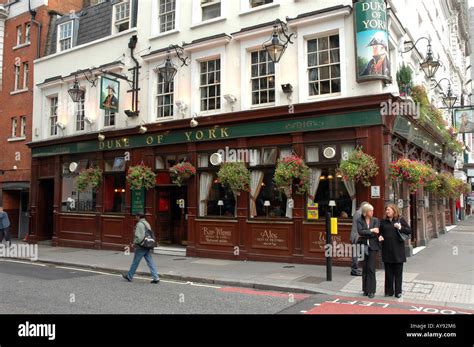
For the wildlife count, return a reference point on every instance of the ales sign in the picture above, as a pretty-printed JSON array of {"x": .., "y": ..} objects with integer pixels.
[{"x": 371, "y": 37}]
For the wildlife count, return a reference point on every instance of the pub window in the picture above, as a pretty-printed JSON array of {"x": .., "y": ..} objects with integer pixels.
[
  {"x": 173, "y": 159},
  {"x": 80, "y": 114},
  {"x": 122, "y": 16},
  {"x": 22, "y": 126},
  {"x": 114, "y": 185},
  {"x": 26, "y": 74},
  {"x": 262, "y": 78},
  {"x": 203, "y": 160},
  {"x": 210, "y": 85},
  {"x": 165, "y": 97},
  {"x": 71, "y": 199},
  {"x": 17, "y": 77},
  {"x": 159, "y": 163},
  {"x": 256, "y": 3},
  {"x": 53, "y": 116},
  {"x": 19, "y": 35},
  {"x": 167, "y": 15},
  {"x": 210, "y": 9},
  {"x": 27, "y": 33},
  {"x": 109, "y": 118},
  {"x": 65, "y": 36},
  {"x": 14, "y": 126},
  {"x": 324, "y": 67},
  {"x": 265, "y": 200},
  {"x": 214, "y": 199},
  {"x": 327, "y": 185}
]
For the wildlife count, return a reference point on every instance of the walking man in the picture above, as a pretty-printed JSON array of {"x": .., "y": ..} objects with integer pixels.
[
  {"x": 142, "y": 229},
  {"x": 4, "y": 227},
  {"x": 354, "y": 237}
]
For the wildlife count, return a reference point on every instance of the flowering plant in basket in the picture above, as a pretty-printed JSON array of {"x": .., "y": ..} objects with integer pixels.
[
  {"x": 89, "y": 178},
  {"x": 141, "y": 176},
  {"x": 181, "y": 172},
  {"x": 409, "y": 171},
  {"x": 359, "y": 167},
  {"x": 235, "y": 176},
  {"x": 289, "y": 170}
]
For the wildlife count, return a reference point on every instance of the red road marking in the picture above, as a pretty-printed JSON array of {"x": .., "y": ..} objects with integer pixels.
[
  {"x": 330, "y": 308},
  {"x": 264, "y": 293}
]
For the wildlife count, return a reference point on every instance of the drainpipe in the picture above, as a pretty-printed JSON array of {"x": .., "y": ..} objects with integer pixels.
[
  {"x": 132, "y": 45},
  {"x": 39, "y": 25}
]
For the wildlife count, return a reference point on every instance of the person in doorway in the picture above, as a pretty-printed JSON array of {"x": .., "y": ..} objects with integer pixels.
[
  {"x": 458, "y": 209},
  {"x": 354, "y": 237},
  {"x": 4, "y": 227},
  {"x": 393, "y": 249},
  {"x": 141, "y": 229},
  {"x": 368, "y": 229}
]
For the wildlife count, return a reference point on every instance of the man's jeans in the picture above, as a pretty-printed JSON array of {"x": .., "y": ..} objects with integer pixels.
[
  {"x": 139, "y": 254},
  {"x": 5, "y": 233}
]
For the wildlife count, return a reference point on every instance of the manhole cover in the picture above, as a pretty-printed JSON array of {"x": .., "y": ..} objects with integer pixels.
[{"x": 312, "y": 279}]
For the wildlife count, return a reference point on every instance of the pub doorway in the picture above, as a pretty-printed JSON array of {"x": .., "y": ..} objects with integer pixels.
[
  {"x": 171, "y": 210},
  {"x": 413, "y": 220},
  {"x": 45, "y": 210}
]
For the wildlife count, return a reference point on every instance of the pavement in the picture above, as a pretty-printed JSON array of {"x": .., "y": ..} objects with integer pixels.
[{"x": 441, "y": 274}]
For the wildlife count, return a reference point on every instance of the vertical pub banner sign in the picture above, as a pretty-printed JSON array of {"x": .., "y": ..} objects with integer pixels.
[
  {"x": 109, "y": 94},
  {"x": 371, "y": 39}
]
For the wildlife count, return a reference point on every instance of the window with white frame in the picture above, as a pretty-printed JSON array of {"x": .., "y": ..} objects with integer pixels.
[
  {"x": 165, "y": 98},
  {"x": 256, "y": 3},
  {"x": 14, "y": 127},
  {"x": 53, "y": 116},
  {"x": 324, "y": 65},
  {"x": 122, "y": 16},
  {"x": 210, "y": 84},
  {"x": 17, "y": 77},
  {"x": 65, "y": 36},
  {"x": 80, "y": 114},
  {"x": 167, "y": 15},
  {"x": 210, "y": 9},
  {"x": 109, "y": 118},
  {"x": 262, "y": 78},
  {"x": 22, "y": 126},
  {"x": 19, "y": 35},
  {"x": 27, "y": 33},
  {"x": 26, "y": 73}
]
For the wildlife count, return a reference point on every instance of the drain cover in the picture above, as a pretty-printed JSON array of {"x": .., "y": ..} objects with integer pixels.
[
  {"x": 288, "y": 267},
  {"x": 179, "y": 259}
]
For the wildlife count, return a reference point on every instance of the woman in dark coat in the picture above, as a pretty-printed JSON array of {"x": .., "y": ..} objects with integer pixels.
[
  {"x": 368, "y": 229},
  {"x": 393, "y": 249}
]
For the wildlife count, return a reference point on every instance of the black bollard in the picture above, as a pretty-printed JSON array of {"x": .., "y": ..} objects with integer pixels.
[{"x": 328, "y": 242}]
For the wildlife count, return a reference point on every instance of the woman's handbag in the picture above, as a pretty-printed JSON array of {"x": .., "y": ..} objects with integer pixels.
[{"x": 403, "y": 237}]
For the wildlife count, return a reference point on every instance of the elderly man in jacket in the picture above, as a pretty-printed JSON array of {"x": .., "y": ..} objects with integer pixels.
[
  {"x": 4, "y": 227},
  {"x": 354, "y": 237},
  {"x": 140, "y": 232}
]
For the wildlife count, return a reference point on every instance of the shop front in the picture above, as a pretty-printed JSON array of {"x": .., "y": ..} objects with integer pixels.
[{"x": 208, "y": 219}]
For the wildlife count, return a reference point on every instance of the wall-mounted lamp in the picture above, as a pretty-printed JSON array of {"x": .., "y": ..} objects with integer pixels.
[
  {"x": 76, "y": 93},
  {"x": 279, "y": 41},
  {"x": 194, "y": 123},
  {"x": 429, "y": 65},
  {"x": 88, "y": 120},
  {"x": 287, "y": 88},
  {"x": 142, "y": 129},
  {"x": 230, "y": 98},
  {"x": 168, "y": 70},
  {"x": 60, "y": 125},
  {"x": 101, "y": 138},
  {"x": 181, "y": 106}
]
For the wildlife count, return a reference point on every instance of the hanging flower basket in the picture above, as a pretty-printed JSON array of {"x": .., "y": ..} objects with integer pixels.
[
  {"x": 181, "y": 172},
  {"x": 359, "y": 167},
  {"x": 141, "y": 176},
  {"x": 410, "y": 171},
  {"x": 234, "y": 176},
  {"x": 89, "y": 178},
  {"x": 292, "y": 170}
]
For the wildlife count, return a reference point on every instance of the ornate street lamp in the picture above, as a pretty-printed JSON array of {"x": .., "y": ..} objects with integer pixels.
[
  {"x": 429, "y": 65},
  {"x": 276, "y": 46},
  {"x": 450, "y": 99},
  {"x": 168, "y": 70},
  {"x": 76, "y": 93}
]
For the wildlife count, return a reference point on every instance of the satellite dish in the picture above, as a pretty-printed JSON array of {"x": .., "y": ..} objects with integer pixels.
[
  {"x": 216, "y": 159},
  {"x": 73, "y": 166}
]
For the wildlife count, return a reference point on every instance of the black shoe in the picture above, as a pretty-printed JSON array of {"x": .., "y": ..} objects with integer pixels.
[
  {"x": 371, "y": 295},
  {"x": 356, "y": 273},
  {"x": 399, "y": 295},
  {"x": 126, "y": 277},
  {"x": 366, "y": 294},
  {"x": 388, "y": 294},
  {"x": 155, "y": 281}
]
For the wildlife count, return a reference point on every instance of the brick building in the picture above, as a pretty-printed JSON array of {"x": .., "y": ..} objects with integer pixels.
[{"x": 23, "y": 35}]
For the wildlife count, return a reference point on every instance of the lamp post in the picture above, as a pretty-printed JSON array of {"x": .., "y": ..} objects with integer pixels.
[
  {"x": 332, "y": 204},
  {"x": 267, "y": 205},
  {"x": 276, "y": 45},
  {"x": 168, "y": 70},
  {"x": 449, "y": 100},
  {"x": 220, "y": 203},
  {"x": 429, "y": 65}
]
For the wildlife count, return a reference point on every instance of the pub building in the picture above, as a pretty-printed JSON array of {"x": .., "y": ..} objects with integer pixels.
[
  {"x": 338, "y": 93},
  {"x": 246, "y": 227}
]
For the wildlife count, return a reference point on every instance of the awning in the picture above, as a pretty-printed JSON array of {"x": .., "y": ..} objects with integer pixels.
[{"x": 15, "y": 186}]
